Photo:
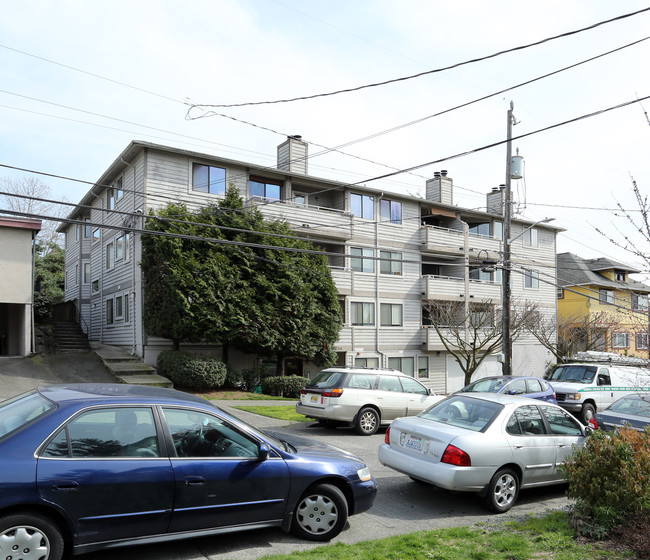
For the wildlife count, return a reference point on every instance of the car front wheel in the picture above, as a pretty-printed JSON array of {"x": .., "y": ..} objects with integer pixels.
[
  {"x": 30, "y": 537},
  {"x": 321, "y": 513},
  {"x": 367, "y": 422},
  {"x": 502, "y": 491},
  {"x": 588, "y": 412}
]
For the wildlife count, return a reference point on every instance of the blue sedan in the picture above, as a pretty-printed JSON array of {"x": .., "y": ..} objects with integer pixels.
[
  {"x": 524, "y": 386},
  {"x": 91, "y": 466}
]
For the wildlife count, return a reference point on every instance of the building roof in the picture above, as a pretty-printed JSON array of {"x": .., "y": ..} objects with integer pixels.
[
  {"x": 20, "y": 223},
  {"x": 573, "y": 270}
]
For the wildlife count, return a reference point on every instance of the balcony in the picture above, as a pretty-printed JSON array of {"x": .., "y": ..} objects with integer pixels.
[
  {"x": 446, "y": 241},
  {"x": 433, "y": 342},
  {"x": 453, "y": 289},
  {"x": 316, "y": 221}
]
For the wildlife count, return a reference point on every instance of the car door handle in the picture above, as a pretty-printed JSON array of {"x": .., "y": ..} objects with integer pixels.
[
  {"x": 65, "y": 485},
  {"x": 194, "y": 480},
  {"x": 518, "y": 446}
]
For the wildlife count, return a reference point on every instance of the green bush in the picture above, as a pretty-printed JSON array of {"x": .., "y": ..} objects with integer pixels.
[
  {"x": 284, "y": 386},
  {"x": 610, "y": 479},
  {"x": 244, "y": 380},
  {"x": 191, "y": 371}
]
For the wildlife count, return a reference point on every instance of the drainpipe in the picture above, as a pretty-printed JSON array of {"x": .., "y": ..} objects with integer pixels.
[{"x": 33, "y": 326}]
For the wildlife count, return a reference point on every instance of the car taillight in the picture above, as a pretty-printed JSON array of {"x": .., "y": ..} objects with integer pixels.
[
  {"x": 387, "y": 438},
  {"x": 303, "y": 392},
  {"x": 333, "y": 393},
  {"x": 455, "y": 456},
  {"x": 593, "y": 423}
]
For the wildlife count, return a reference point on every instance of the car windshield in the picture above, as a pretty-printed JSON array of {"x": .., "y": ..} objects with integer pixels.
[
  {"x": 464, "y": 412},
  {"x": 488, "y": 385},
  {"x": 327, "y": 380},
  {"x": 637, "y": 407},
  {"x": 574, "y": 374},
  {"x": 21, "y": 410}
]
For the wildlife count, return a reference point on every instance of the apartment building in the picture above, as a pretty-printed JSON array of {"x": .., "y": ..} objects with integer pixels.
[
  {"x": 601, "y": 306},
  {"x": 388, "y": 253}
]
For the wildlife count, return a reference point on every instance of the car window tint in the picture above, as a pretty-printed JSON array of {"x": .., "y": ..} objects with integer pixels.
[
  {"x": 107, "y": 432},
  {"x": 530, "y": 420},
  {"x": 199, "y": 434},
  {"x": 362, "y": 381},
  {"x": 16, "y": 412},
  {"x": 561, "y": 422},
  {"x": 512, "y": 426},
  {"x": 534, "y": 386},
  {"x": 638, "y": 407},
  {"x": 472, "y": 414},
  {"x": 327, "y": 380},
  {"x": 517, "y": 387},
  {"x": 412, "y": 386},
  {"x": 489, "y": 385},
  {"x": 389, "y": 383}
]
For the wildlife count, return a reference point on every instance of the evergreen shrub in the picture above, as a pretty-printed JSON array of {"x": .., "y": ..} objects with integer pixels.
[
  {"x": 284, "y": 386},
  {"x": 191, "y": 371}
]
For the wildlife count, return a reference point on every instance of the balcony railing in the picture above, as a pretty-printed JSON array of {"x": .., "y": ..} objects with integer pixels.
[
  {"x": 453, "y": 289},
  {"x": 452, "y": 242}
]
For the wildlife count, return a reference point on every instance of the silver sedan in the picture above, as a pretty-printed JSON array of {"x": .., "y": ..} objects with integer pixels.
[{"x": 490, "y": 444}]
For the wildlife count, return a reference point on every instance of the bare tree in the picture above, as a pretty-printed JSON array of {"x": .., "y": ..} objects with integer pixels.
[
  {"x": 470, "y": 333},
  {"x": 29, "y": 197}
]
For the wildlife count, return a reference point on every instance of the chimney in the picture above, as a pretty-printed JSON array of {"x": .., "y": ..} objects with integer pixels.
[
  {"x": 496, "y": 200},
  {"x": 292, "y": 155},
  {"x": 440, "y": 188}
]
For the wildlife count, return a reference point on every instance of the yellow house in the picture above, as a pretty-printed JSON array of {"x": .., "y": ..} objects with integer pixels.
[{"x": 600, "y": 307}]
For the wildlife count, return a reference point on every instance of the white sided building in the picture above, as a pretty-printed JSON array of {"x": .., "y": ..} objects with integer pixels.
[{"x": 388, "y": 254}]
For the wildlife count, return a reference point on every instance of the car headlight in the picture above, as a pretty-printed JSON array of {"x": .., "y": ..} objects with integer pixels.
[
  {"x": 364, "y": 474},
  {"x": 573, "y": 396}
]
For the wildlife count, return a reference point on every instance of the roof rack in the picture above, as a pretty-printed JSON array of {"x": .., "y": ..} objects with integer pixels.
[{"x": 608, "y": 358}]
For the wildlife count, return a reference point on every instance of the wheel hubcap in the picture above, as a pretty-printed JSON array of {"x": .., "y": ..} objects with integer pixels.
[
  {"x": 317, "y": 514},
  {"x": 504, "y": 490},
  {"x": 24, "y": 543},
  {"x": 368, "y": 422}
]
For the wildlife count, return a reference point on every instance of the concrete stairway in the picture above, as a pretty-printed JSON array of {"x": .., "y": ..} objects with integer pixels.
[
  {"x": 69, "y": 337},
  {"x": 128, "y": 368}
]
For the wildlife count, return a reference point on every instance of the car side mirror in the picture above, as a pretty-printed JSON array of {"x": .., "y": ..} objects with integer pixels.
[{"x": 263, "y": 453}]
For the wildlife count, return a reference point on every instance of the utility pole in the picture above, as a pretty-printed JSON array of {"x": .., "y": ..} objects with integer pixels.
[{"x": 505, "y": 311}]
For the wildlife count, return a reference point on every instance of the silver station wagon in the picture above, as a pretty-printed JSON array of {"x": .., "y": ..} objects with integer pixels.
[{"x": 364, "y": 398}]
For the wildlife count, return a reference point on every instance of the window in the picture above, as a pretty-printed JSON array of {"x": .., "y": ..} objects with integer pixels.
[
  {"x": 110, "y": 199},
  {"x": 300, "y": 199},
  {"x": 87, "y": 228},
  {"x": 109, "y": 311},
  {"x": 620, "y": 340},
  {"x": 391, "y": 263},
  {"x": 366, "y": 362},
  {"x": 263, "y": 188},
  {"x": 477, "y": 273},
  {"x": 127, "y": 246},
  {"x": 390, "y": 314},
  {"x": 127, "y": 312},
  {"x": 423, "y": 367},
  {"x": 390, "y": 211},
  {"x": 96, "y": 235},
  {"x": 560, "y": 293},
  {"x": 119, "y": 309},
  {"x": 119, "y": 248},
  {"x": 531, "y": 238},
  {"x": 86, "y": 273},
  {"x": 362, "y": 313},
  {"x": 405, "y": 365},
  {"x": 606, "y": 296},
  {"x": 619, "y": 275},
  {"x": 640, "y": 302},
  {"x": 208, "y": 179},
  {"x": 482, "y": 228},
  {"x": 526, "y": 420},
  {"x": 76, "y": 232},
  {"x": 107, "y": 432},
  {"x": 362, "y": 206},
  {"x": 110, "y": 255},
  {"x": 531, "y": 279},
  {"x": 641, "y": 341},
  {"x": 76, "y": 274},
  {"x": 95, "y": 286},
  {"x": 119, "y": 193},
  {"x": 412, "y": 386},
  {"x": 362, "y": 260},
  {"x": 498, "y": 230}
]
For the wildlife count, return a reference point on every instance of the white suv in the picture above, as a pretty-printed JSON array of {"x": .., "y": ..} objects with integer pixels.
[{"x": 364, "y": 398}]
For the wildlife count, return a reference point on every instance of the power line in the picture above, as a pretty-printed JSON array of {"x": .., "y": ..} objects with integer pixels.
[{"x": 428, "y": 72}]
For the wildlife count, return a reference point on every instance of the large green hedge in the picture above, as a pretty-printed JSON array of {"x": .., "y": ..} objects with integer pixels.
[{"x": 191, "y": 371}]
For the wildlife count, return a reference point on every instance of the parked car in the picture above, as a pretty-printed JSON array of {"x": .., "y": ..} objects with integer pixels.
[
  {"x": 490, "y": 444},
  {"x": 94, "y": 466},
  {"x": 363, "y": 397},
  {"x": 632, "y": 411},
  {"x": 524, "y": 386},
  {"x": 586, "y": 388}
]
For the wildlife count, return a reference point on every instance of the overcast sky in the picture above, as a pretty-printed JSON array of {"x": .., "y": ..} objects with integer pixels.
[{"x": 81, "y": 79}]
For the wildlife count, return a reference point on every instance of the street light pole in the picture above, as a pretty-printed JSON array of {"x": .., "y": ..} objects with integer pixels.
[{"x": 505, "y": 304}]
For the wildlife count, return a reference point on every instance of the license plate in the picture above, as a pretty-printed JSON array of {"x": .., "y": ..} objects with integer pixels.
[
  {"x": 314, "y": 398},
  {"x": 414, "y": 442}
]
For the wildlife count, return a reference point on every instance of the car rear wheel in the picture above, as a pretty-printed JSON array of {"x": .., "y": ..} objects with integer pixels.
[
  {"x": 502, "y": 491},
  {"x": 367, "y": 421},
  {"x": 30, "y": 537},
  {"x": 321, "y": 513}
]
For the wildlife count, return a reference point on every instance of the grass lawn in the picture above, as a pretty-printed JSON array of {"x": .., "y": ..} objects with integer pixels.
[
  {"x": 280, "y": 412},
  {"x": 537, "y": 538}
]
